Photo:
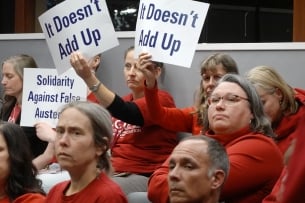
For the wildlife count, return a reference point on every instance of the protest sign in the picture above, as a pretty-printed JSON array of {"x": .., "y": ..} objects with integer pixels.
[
  {"x": 44, "y": 92},
  {"x": 73, "y": 25},
  {"x": 170, "y": 30}
]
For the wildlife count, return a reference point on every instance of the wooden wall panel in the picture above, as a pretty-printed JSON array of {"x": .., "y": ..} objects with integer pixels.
[
  {"x": 299, "y": 21},
  {"x": 24, "y": 16}
]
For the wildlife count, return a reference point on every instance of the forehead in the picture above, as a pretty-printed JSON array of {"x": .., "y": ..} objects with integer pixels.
[
  {"x": 261, "y": 91},
  {"x": 228, "y": 87},
  {"x": 194, "y": 149},
  {"x": 215, "y": 69},
  {"x": 130, "y": 55},
  {"x": 73, "y": 117},
  {"x": 8, "y": 67}
]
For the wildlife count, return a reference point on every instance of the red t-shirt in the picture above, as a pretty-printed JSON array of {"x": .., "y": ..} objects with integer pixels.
[
  {"x": 139, "y": 149},
  {"x": 255, "y": 165},
  {"x": 101, "y": 190},
  {"x": 26, "y": 198},
  {"x": 91, "y": 97}
]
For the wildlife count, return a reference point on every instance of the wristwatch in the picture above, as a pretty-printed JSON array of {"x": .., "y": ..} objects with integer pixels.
[{"x": 95, "y": 87}]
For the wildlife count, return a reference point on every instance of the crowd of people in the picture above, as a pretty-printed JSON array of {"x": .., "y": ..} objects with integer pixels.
[{"x": 246, "y": 145}]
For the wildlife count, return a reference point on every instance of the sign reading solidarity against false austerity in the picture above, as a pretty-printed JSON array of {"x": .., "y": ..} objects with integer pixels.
[
  {"x": 44, "y": 92},
  {"x": 73, "y": 25},
  {"x": 170, "y": 30}
]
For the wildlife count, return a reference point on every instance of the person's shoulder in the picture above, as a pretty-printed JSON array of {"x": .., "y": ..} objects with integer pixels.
[
  {"x": 127, "y": 97},
  {"x": 30, "y": 198},
  {"x": 108, "y": 188},
  {"x": 59, "y": 186},
  {"x": 257, "y": 137},
  {"x": 300, "y": 95},
  {"x": 164, "y": 92},
  {"x": 249, "y": 142}
]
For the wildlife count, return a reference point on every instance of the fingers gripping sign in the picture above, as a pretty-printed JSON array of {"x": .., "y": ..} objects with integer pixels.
[
  {"x": 149, "y": 69},
  {"x": 80, "y": 65}
]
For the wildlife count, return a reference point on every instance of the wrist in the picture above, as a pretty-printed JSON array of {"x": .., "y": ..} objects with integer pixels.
[
  {"x": 150, "y": 84},
  {"x": 95, "y": 87}
]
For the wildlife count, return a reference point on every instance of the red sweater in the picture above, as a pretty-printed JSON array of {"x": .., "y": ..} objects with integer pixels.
[
  {"x": 180, "y": 120},
  {"x": 255, "y": 165},
  {"x": 100, "y": 190},
  {"x": 139, "y": 149},
  {"x": 290, "y": 187},
  {"x": 294, "y": 188},
  {"x": 288, "y": 129}
]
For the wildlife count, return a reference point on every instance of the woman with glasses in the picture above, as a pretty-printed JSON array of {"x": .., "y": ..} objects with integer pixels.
[
  {"x": 187, "y": 119},
  {"x": 234, "y": 116}
]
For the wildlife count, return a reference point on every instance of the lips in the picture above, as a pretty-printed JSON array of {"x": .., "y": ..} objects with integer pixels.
[
  {"x": 62, "y": 155},
  {"x": 219, "y": 116},
  {"x": 131, "y": 81},
  {"x": 175, "y": 189}
]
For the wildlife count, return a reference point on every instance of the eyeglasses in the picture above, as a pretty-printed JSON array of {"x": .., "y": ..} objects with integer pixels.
[{"x": 228, "y": 99}]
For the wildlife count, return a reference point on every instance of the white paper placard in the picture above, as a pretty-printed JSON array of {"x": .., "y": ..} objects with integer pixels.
[
  {"x": 45, "y": 91},
  {"x": 73, "y": 25}
]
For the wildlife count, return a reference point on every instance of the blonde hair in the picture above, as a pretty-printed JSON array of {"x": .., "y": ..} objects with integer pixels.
[{"x": 269, "y": 79}]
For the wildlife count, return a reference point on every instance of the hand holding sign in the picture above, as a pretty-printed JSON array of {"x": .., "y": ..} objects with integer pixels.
[
  {"x": 148, "y": 68},
  {"x": 80, "y": 65},
  {"x": 170, "y": 30},
  {"x": 74, "y": 25}
]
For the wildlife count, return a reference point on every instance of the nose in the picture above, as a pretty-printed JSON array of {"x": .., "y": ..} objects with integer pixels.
[
  {"x": 3, "y": 81},
  {"x": 63, "y": 139},
  {"x": 220, "y": 104},
  {"x": 174, "y": 174},
  {"x": 212, "y": 81},
  {"x": 132, "y": 70}
]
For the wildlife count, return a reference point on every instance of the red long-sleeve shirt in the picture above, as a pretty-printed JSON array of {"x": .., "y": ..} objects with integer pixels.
[
  {"x": 287, "y": 129},
  {"x": 255, "y": 165},
  {"x": 167, "y": 117}
]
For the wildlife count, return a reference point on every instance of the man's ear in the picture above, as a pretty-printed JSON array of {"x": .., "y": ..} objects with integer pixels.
[{"x": 218, "y": 179}]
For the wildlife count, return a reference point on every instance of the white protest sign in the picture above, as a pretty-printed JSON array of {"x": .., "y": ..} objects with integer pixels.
[
  {"x": 44, "y": 92},
  {"x": 170, "y": 30},
  {"x": 73, "y": 25}
]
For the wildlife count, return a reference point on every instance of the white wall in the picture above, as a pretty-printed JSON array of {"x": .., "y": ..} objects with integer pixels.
[{"x": 287, "y": 58}]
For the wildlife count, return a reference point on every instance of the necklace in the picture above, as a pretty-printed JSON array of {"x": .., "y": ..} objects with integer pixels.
[{"x": 14, "y": 114}]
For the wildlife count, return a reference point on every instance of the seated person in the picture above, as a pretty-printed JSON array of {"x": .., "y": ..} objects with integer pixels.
[
  {"x": 139, "y": 145},
  {"x": 234, "y": 116},
  {"x": 198, "y": 168},
  {"x": 18, "y": 182},
  {"x": 12, "y": 82},
  {"x": 83, "y": 136}
]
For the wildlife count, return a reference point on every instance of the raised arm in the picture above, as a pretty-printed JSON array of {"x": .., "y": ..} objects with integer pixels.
[
  {"x": 125, "y": 111},
  {"x": 174, "y": 119}
]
